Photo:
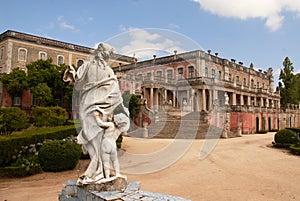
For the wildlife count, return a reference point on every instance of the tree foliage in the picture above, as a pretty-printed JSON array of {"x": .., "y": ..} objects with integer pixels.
[
  {"x": 14, "y": 82},
  {"x": 46, "y": 78},
  {"x": 288, "y": 84}
]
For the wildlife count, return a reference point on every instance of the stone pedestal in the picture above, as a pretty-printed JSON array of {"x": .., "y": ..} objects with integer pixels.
[{"x": 72, "y": 192}]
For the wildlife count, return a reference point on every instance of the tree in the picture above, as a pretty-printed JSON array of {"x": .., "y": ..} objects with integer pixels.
[
  {"x": 42, "y": 94},
  {"x": 14, "y": 82},
  {"x": 288, "y": 84},
  {"x": 45, "y": 77}
]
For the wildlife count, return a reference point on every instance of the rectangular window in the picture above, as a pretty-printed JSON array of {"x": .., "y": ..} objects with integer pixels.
[
  {"x": 17, "y": 100},
  {"x": 22, "y": 54},
  {"x": 169, "y": 75},
  {"x": 148, "y": 76},
  {"x": 180, "y": 73},
  {"x": 139, "y": 77},
  {"x": 191, "y": 71},
  {"x": 159, "y": 75}
]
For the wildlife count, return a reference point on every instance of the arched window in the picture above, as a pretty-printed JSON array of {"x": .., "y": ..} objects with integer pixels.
[
  {"x": 213, "y": 73},
  {"x": 42, "y": 55},
  {"x": 22, "y": 54},
  {"x": 220, "y": 75},
  {"x": 60, "y": 60},
  {"x": 252, "y": 83},
  {"x": 206, "y": 72}
]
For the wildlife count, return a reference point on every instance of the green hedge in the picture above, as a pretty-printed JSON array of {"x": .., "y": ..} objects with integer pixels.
[
  {"x": 49, "y": 116},
  {"x": 295, "y": 149},
  {"x": 284, "y": 138},
  {"x": 262, "y": 132},
  {"x": 59, "y": 155},
  {"x": 9, "y": 145}
]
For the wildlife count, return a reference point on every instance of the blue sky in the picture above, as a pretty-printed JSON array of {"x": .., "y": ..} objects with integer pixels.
[{"x": 263, "y": 32}]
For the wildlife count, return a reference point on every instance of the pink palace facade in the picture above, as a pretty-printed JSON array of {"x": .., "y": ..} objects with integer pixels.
[{"x": 197, "y": 81}]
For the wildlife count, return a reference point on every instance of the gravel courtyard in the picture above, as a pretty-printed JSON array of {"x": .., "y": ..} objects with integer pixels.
[{"x": 244, "y": 168}]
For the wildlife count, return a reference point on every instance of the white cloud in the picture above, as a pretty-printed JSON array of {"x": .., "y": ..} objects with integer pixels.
[
  {"x": 268, "y": 10},
  {"x": 144, "y": 43},
  {"x": 64, "y": 24}
]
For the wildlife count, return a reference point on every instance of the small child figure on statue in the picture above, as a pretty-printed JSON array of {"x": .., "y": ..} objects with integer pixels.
[{"x": 114, "y": 126}]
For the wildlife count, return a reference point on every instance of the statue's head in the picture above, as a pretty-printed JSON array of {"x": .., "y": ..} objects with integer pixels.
[
  {"x": 122, "y": 122},
  {"x": 103, "y": 51}
]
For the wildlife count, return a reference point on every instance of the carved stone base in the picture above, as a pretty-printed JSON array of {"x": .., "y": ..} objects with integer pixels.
[
  {"x": 73, "y": 192},
  {"x": 112, "y": 184}
]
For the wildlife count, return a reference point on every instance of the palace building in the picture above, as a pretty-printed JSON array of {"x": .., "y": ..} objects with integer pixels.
[
  {"x": 197, "y": 81},
  {"x": 190, "y": 82},
  {"x": 19, "y": 49}
]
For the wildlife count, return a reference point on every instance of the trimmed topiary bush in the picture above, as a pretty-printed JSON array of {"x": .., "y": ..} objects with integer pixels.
[
  {"x": 12, "y": 119},
  {"x": 284, "y": 138},
  {"x": 59, "y": 155},
  {"x": 49, "y": 116}
]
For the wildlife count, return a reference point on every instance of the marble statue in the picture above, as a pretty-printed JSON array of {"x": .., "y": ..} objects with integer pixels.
[
  {"x": 113, "y": 128},
  {"x": 99, "y": 96},
  {"x": 226, "y": 98}
]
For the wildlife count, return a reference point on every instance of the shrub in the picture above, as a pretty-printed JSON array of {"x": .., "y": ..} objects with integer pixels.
[
  {"x": 9, "y": 145},
  {"x": 295, "y": 148},
  {"x": 59, "y": 155},
  {"x": 49, "y": 116},
  {"x": 284, "y": 138},
  {"x": 25, "y": 165},
  {"x": 12, "y": 119},
  {"x": 274, "y": 130},
  {"x": 262, "y": 132}
]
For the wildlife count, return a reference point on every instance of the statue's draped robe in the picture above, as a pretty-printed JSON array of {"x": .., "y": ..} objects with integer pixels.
[{"x": 99, "y": 91}]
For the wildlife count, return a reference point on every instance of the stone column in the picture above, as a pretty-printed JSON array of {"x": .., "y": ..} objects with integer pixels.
[
  {"x": 210, "y": 100},
  {"x": 174, "y": 98},
  {"x": 151, "y": 97},
  {"x": 204, "y": 100},
  {"x": 233, "y": 98},
  {"x": 242, "y": 99}
]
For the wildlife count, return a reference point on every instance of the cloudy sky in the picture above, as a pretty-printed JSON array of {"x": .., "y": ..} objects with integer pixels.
[{"x": 263, "y": 32}]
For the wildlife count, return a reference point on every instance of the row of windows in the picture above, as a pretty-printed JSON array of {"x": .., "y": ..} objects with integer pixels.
[
  {"x": 22, "y": 56},
  {"x": 191, "y": 74}
]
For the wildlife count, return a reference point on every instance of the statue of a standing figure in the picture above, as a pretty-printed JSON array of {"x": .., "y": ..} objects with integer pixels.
[{"x": 99, "y": 96}]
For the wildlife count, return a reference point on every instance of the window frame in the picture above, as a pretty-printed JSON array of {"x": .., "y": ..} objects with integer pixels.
[{"x": 19, "y": 54}]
